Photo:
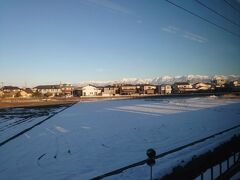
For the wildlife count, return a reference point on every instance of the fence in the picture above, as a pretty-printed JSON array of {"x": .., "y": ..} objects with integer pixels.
[
  {"x": 211, "y": 165},
  {"x": 200, "y": 173},
  {"x": 223, "y": 170}
]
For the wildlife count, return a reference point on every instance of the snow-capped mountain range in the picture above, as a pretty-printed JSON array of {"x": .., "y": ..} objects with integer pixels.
[{"x": 163, "y": 80}]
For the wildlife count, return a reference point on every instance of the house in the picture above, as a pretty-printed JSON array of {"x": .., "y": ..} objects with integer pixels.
[
  {"x": 235, "y": 86},
  {"x": 110, "y": 90},
  {"x": 147, "y": 89},
  {"x": 129, "y": 89},
  {"x": 219, "y": 82},
  {"x": 235, "y": 83},
  {"x": 77, "y": 91},
  {"x": 25, "y": 93},
  {"x": 50, "y": 90},
  {"x": 164, "y": 89},
  {"x": 28, "y": 90},
  {"x": 91, "y": 90},
  {"x": 203, "y": 86},
  {"x": 67, "y": 89},
  {"x": 8, "y": 89},
  {"x": 183, "y": 87},
  {"x": 1, "y": 93}
]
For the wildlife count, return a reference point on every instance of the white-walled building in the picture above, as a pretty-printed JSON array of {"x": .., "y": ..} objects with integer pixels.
[
  {"x": 219, "y": 81},
  {"x": 235, "y": 86},
  {"x": 164, "y": 89},
  {"x": 183, "y": 87},
  {"x": 67, "y": 89},
  {"x": 147, "y": 89},
  {"x": 51, "y": 89},
  {"x": 235, "y": 83},
  {"x": 129, "y": 89},
  {"x": 13, "y": 89},
  {"x": 25, "y": 93},
  {"x": 91, "y": 90},
  {"x": 1, "y": 93},
  {"x": 202, "y": 86},
  {"x": 110, "y": 91}
]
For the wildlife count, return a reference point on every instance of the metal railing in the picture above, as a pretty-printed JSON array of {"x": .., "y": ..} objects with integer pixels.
[
  {"x": 145, "y": 161},
  {"x": 222, "y": 169}
]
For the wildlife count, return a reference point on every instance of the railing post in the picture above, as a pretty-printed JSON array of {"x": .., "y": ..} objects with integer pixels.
[
  {"x": 201, "y": 176},
  {"x": 151, "y": 153},
  {"x": 150, "y": 172},
  {"x": 220, "y": 168},
  {"x": 228, "y": 163},
  {"x": 234, "y": 157},
  {"x": 212, "y": 173}
]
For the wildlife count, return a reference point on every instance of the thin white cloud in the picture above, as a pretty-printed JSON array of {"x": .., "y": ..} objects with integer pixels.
[
  {"x": 111, "y": 6},
  {"x": 194, "y": 37},
  {"x": 185, "y": 34},
  {"x": 170, "y": 29}
]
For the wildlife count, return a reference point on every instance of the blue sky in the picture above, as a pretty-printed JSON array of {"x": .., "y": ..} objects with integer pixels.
[{"x": 48, "y": 41}]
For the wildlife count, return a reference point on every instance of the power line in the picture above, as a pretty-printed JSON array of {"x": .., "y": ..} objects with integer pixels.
[
  {"x": 232, "y": 6},
  {"x": 229, "y": 20},
  {"x": 204, "y": 19}
]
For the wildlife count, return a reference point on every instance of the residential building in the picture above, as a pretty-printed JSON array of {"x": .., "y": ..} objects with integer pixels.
[
  {"x": 91, "y": 90},
  {"x": 110, "y": 90},
  {"x": 27, "y": 92},
  {"x": 67, "y": 89},
  {"x": 129, "y": 89},
  {"x": 203, "y": 86},
  {"x": 1, "y": 93},
  {"x": 219, "y": 82},
  {"x": 51, "y": 90},
  {"x": 235, "y": 83},
  {"x": 183, "y": 87},
  {"x": 235, "y": 86},
  {"x": 147, "y": 89},
  {"x": 164, "y": 89},
  {"x": 77, "y": 91},
  {"x": 10, "y": 89}
]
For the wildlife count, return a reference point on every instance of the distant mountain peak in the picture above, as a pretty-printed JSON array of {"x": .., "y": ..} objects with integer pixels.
[{"x": 163, "y": 80}]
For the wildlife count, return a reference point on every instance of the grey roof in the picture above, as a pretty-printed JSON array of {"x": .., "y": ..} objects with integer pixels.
[
  {"x": 10, "y": 88},
  {"x": 129, "y": 85},
  {"x": 110, "y": 86},
  {"x": 147, "y": 85},
  {"x": 165, "y": 85},
  {"x": 48, "y": 87},
  {"x": 28, "y": 90},
  {"x": 202, "y": 83},
  {"x": 182, "y": 83}
]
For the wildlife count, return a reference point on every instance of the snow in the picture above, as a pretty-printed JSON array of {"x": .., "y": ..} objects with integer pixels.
[
  {"x": 14, "y": 120},
  {"x": 236, "y": 176},
  {"x": 90, "y": 139},
  {"x": 216, "y": 169},
  {"x": 163, "y": 80}
]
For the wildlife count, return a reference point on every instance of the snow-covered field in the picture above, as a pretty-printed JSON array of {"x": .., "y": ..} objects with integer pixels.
[
  {"x": 90, "y": 139},
  {"x": 14, "y": 120}
]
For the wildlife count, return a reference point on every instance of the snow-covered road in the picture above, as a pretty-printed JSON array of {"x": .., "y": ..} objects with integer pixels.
[{"x": 90, "y": 139}]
